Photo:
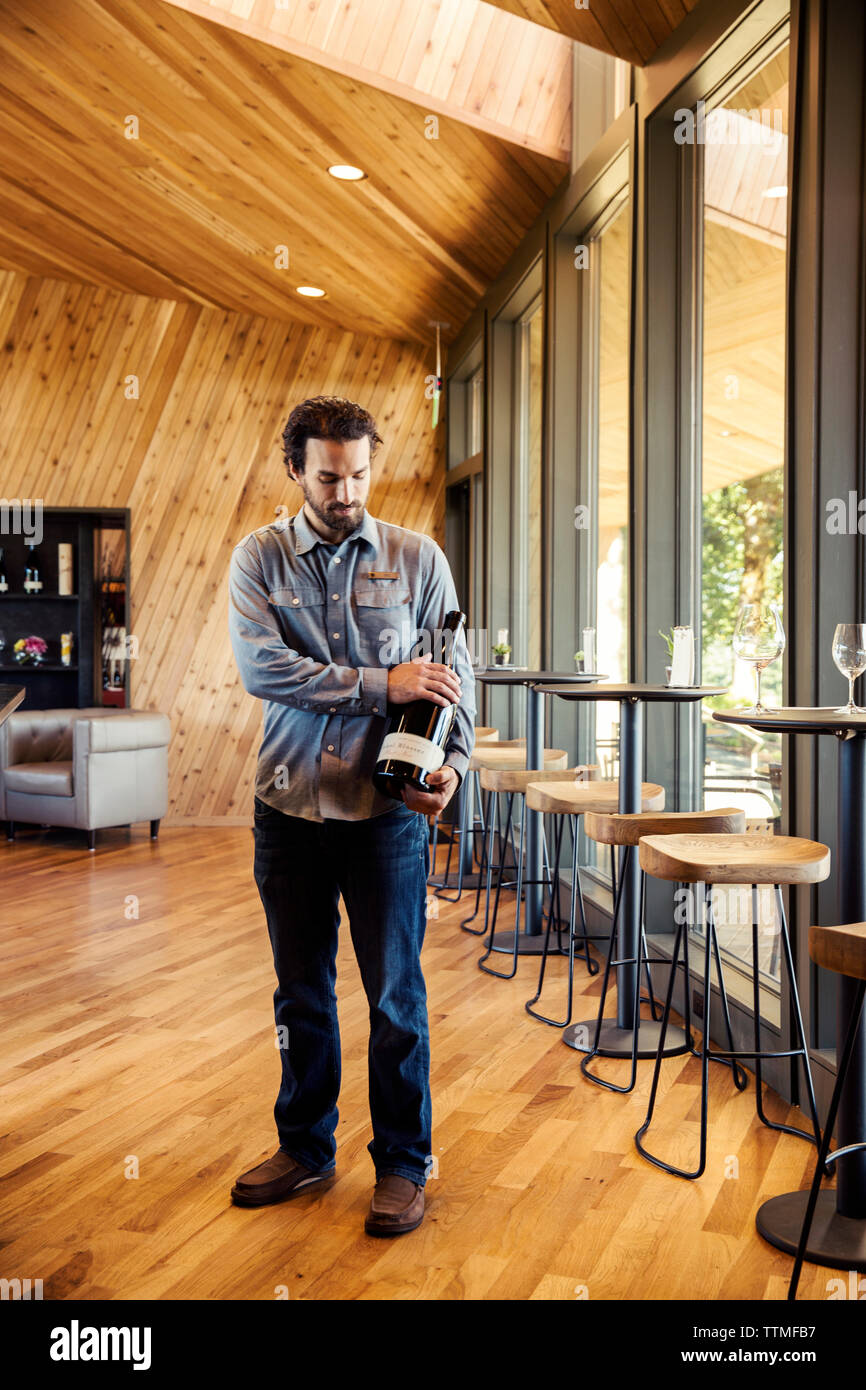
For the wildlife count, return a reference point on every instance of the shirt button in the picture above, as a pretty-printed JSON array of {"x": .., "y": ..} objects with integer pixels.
[
  {"x": 296, "y": 600},
  {"x": 333, "y": 709},
  {"x": 375, "y": 709},
  {"x": 336, "y": 596},
  {"x": 330, "y": 747},
  {"x": 337, "y": 560},
  {"x": 335, "y": 634}
]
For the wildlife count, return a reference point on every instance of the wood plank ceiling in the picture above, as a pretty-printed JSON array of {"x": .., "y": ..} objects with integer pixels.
[
  {"x": 630, "y": 29},
  {"x": 461, "y": 57},
  {"x": 229, "y": 162}
]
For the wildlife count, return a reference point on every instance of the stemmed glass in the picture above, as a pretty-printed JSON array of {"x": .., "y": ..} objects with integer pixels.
[
  {"x": 849, "y": 654},
  {"x": 759, "y": 638}
]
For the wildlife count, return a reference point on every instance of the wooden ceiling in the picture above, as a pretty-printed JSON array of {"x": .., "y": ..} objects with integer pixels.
[
  {"x": 234, "y": 137},
  {"x": 630, "y": 29},
  {"x": 465, "y": 58}
]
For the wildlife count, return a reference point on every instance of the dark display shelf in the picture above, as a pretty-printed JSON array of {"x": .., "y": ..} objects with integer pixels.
[{"x": 99, "y": 538}]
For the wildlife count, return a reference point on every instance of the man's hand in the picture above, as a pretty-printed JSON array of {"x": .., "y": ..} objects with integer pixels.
[
  {"x": 423, "y": 679},
  {"x": 445, "y": 780}
]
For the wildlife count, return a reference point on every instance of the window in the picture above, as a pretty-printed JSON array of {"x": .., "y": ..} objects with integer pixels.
[
  {"x": 606, "y": 431},
  {"x": 527, "y": 491},
  {"x": 742, "y": 168}
]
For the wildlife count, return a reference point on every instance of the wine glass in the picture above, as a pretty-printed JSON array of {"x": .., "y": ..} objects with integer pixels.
[
  {"x": 759, "y": 638},
  {"x": 849, "y": 654}
]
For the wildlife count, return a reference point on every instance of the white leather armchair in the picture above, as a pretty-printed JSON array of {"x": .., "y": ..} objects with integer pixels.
[{"x": 85, "y": 768}]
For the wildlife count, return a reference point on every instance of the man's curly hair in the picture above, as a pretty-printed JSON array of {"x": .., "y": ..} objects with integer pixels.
[{"x": 325, "y": 417}]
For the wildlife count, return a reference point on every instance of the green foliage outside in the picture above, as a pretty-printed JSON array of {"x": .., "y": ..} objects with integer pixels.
[{"x": 742, "y": 563}]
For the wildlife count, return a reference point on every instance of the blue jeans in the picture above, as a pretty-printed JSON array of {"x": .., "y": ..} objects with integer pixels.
[{"x": 380, "y": 866}]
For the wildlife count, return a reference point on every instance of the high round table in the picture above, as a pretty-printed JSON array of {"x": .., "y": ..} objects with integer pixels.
[
  {"x": 616, "y": 1035},
  {"x": 531, "y": 939},
  {"x": 838, "y": 1235}
]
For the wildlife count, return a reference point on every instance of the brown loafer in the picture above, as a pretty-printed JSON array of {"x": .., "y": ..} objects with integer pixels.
[
  {"x": 397, "y": 1206},
  {"x": 278, "y": 1177}
]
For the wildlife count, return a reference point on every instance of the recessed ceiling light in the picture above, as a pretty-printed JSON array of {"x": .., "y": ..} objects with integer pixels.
[
  {"x": 349, "y": 172},
  {"x": 310, "y": 291},
  {"x": 779, "y": 190}
]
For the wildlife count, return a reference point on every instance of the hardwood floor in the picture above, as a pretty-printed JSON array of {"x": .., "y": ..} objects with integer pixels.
[{"x": 137, "y": 1030}]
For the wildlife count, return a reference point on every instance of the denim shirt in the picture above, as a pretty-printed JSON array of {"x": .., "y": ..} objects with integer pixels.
[{"x": 317, "y": 654}]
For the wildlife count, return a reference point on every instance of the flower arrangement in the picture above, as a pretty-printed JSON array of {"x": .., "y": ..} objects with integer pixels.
[
  {"x": 30, "y": 649},
  {"x": 501, "y": 651}
]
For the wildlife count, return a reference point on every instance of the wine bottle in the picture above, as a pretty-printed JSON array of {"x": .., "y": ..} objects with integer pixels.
[
  {"x": 415, "y": 743},
  {"x": 32, "y": 583}
]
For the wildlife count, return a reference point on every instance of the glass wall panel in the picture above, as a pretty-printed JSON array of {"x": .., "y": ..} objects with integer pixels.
[
  {"x": 745, "y": 152},
  {"x": 609, "y": 279},
  {"x": 528, "y": 574}
]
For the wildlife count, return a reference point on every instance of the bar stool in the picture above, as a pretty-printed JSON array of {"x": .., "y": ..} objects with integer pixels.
[
  {"x": 733, "y": 859},
  {"x": 842, "y": 949},
  {"x": 624, "y": 830},
  {"x": 500, "y": 770},
  {"x": 489, "y": 736},
  {"x": 506, "y": 753},
  {"x": 570, "y": 802}
]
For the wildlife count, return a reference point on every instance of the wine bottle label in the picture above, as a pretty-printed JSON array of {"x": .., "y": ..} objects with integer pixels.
[{"x": 412, "y": 748}]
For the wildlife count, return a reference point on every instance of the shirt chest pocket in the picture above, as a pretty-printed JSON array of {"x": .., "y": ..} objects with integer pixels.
[
  {"x": 383, "y": 614},
  {"x": 299, "y": 609}
]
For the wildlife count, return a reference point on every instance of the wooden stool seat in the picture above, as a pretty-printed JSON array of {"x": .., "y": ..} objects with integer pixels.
[
  {"x": 502, "y": 743},
  {"x": 517, "y": 779},
  {"x": 577, "y": 798},
  {"x": 512, "y": 758},
  {"x": 621, "y": 828},
  {"x": 842, "y": 949},
  {"x": 734, "y": 858},
  {"x": 484, "y": 733}
]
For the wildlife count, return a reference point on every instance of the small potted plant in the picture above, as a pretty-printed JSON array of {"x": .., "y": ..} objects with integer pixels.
[
  {"x": 501, "y": 653},
  {"x": 668, "y": 639},
  {"x": 30, "y": 650},
  {"x": 578, "y": 660}
]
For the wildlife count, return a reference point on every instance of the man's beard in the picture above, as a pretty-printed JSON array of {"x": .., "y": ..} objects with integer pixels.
[{"x": 336, "y": 520}]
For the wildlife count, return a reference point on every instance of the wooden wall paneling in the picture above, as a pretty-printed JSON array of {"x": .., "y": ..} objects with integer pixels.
[{"x": 198, "y": 460}]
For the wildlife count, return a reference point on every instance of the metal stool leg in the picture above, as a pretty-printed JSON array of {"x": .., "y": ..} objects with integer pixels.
[
  {"x": 483, "y": 872},
  {"x": 657, "y": 1065},
  {"x": 608, "y": 965},
  {"x": 459, "y": 832},
  {"x": 802, "y": 1050},
  {"x": 824, "y": 1155},
  {"x": 575, "y": 898},
  {"x": 741, "y": 1079},
  {"x": 704, "y": 1059},
  {"x": 502, "y": 974}
]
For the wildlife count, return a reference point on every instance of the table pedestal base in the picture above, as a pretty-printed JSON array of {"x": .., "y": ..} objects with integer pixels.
[
  {"x": 834, "y": 1240},
  {"x": 617, "y": 1042}
]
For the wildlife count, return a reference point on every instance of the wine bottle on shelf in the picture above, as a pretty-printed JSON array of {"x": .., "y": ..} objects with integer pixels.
[
  {"x": 415, "y": 743},
  {"x": 4, "y": 583},
  {"x": 64, "y": 568},
  {"x": 32, "y": 582}
]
